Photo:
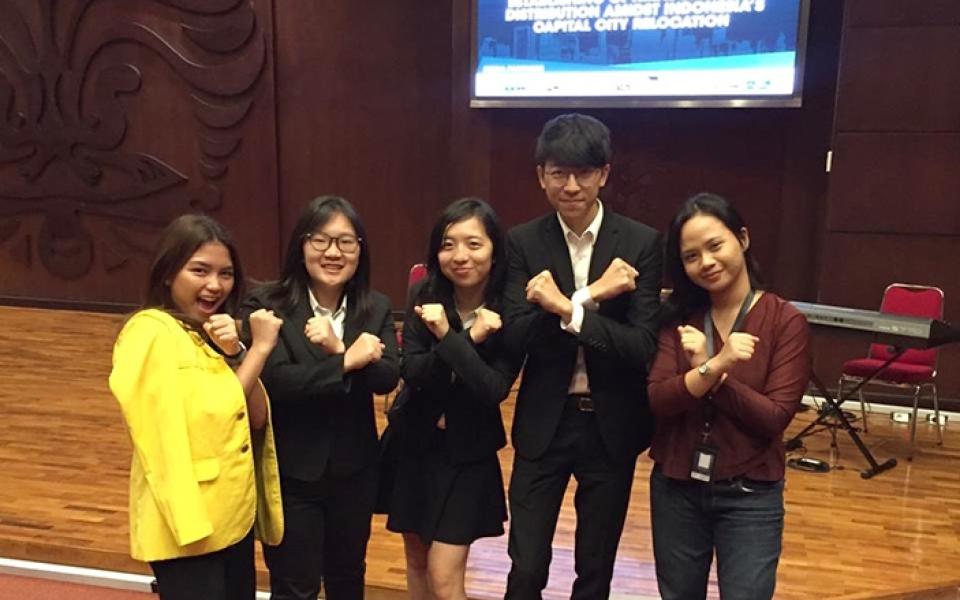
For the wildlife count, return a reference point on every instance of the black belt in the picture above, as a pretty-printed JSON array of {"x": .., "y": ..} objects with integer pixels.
[
  {"x": 739, "y": 483},
  {"x": 580, "y": 402},
  {"x": 743, "y": 485}
]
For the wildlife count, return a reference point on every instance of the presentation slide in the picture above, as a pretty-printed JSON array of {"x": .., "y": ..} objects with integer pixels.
[{"x": 636, "y": 48}]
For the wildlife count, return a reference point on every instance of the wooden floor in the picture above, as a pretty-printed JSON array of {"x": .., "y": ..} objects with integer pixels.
[{"x": 64, "y": 459}]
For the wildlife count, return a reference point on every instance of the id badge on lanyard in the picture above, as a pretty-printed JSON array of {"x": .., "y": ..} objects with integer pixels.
[{"x": 704, "y": 453}]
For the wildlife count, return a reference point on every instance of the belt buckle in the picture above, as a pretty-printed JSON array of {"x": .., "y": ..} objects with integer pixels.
[{"x": 584, "y": 403}]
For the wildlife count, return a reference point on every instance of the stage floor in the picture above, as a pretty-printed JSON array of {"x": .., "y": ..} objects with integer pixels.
[{"x": 65, "y": 458}]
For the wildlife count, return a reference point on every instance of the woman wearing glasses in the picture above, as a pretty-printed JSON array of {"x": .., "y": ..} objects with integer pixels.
[{"x": 337, "y": 348}]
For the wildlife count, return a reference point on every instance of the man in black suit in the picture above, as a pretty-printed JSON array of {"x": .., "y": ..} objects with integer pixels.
[{"x": 582, "y": 304}]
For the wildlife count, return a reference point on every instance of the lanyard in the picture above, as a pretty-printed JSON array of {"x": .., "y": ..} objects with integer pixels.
[
  {"x": 708, "y": 328},
  {"x": 737, "y": 324}
]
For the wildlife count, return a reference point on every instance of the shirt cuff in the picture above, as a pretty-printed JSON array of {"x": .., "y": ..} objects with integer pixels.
[
  {"x": 576, "y": 320},
  {"x": 584, "y": 299}
]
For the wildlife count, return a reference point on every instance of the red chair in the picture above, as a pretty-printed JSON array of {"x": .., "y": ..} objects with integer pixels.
[
  {"x": 914, "y": 370},
  {"x": 417, "y": 273}
]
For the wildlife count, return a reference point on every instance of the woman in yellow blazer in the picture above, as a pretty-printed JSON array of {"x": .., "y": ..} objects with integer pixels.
[{"x": 204, "y": 467}]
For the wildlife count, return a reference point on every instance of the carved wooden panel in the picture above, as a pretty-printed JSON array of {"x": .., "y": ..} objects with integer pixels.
[{"x": 115, "y": 117}]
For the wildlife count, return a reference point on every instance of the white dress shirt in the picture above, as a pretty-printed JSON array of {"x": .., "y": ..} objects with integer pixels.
[
  {"x": 337, "y": 317},
  {"x": 468, "y": 318},
  {"x": 581, "y": 251}
]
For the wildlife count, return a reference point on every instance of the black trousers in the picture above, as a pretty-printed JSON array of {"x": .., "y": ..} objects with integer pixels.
[
  {"x": 536, "y": 493},
  {"x": 326, "y": 529},
  {"x": 226, "y": 574}
]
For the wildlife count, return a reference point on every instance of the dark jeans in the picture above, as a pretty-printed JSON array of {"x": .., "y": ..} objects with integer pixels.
[
  {"x": 226, "y": 574},
  {"x": 326, "y": 529},
  {"x": 536, "y": 493},
  {"x": 739, "y": 518}
]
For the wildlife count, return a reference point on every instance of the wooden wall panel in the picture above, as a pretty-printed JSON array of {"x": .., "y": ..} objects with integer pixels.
[
  {"x": 881, "y": 13},
  {"x": 870, "y": 262},
  {"x": 894, "y": 193},
  {"x": 660, "y": 158},
  {"x": 899, "y": 79},
  {"x": 802, "y": 200},
  {"x": 117, "y": 117},
  {"x": 863, "y": 265},
  {"x": 905, "y": 183},
  {"x": 470, "y": 143},
  {"x": 363, "y": 112}
]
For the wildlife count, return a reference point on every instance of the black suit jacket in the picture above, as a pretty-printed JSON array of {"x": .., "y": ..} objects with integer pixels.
[
  {"x": 323, "y": 419},
  {"x": 459, "y": 379},
  {"x": 619, "y": 339}
]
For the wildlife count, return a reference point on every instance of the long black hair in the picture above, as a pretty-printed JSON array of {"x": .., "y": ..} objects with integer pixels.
[
  {"x": 436, "y": 287},
  {"x": 687, "y": 297},
  {"x": 291, "y": 289},
  {"x": 178, "y": 242}
]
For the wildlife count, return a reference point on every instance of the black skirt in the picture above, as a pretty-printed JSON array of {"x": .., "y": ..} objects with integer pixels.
[{"x": 443, "y": 502}]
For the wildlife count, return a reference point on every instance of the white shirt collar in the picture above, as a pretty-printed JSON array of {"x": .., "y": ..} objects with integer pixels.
[
  {"x": 471, "y": 317},
  {"x": 593, "y": 228},
  {"x": 320, "y": 311}
]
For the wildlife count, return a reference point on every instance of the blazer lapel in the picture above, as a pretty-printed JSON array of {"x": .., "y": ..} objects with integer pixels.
[
  {"x": 604, "y": 247},
  {"x": 351, "y": 329},
  {"x": 558, "y": 254}
]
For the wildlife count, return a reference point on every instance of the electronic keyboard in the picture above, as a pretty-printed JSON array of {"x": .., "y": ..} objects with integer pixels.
[{"x": 897, "y": 330}]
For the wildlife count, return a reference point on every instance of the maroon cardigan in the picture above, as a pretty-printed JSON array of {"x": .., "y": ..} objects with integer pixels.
[{"x": 751, "y": 409}]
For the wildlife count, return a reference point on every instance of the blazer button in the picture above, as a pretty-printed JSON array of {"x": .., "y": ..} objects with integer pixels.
[
  {"x": 240, "y": 415},
  {"x": 244, "y": 448}
]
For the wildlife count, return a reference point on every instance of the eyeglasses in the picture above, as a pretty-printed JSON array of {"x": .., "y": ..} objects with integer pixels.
[
  {"x": 348, "y": 244},
  {"x": 560, "y": 176}
]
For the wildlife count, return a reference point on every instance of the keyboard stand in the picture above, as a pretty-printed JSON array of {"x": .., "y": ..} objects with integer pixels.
[{"x": 832, "y": 410}]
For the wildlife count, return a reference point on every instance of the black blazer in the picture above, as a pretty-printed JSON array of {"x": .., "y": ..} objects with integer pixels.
[
  {"x": 323, "y": 419},
  {"x": 619, "y": 339},
  {"x": 459, "y": 379}
]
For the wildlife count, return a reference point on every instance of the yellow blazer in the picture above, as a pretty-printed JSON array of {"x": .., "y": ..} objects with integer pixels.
[{"x": 198, "y": 479}]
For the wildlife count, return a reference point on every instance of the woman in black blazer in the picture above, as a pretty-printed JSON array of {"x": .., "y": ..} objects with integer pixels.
[
  {"x": 449, "y": 489},
  {"x": 337, "y": 348}
]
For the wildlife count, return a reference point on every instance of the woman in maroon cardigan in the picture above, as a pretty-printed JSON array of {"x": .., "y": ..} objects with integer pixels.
[{"x": 730, "y": 372}]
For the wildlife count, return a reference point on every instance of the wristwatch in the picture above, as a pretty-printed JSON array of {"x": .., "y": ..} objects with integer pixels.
[
  {"x": 704, "y": 368},
  {"x": 236, "y": 359}
]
